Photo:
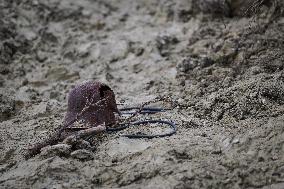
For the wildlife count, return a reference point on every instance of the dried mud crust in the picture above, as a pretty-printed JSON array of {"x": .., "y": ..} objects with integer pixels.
[{"x": 224, "y": 67}]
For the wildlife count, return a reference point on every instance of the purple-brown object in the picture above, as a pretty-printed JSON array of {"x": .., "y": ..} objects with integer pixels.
[{"x": 91, "y": 102}]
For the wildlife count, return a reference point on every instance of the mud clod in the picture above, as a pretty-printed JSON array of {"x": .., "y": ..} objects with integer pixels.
[
  {"x": 82, "y": 155},
  {"x": 7, "y": 107},
  {"x": 62, "y": 150}
]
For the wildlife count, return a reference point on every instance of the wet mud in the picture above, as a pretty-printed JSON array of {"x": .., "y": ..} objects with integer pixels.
[{"x": 221, "y": 62}]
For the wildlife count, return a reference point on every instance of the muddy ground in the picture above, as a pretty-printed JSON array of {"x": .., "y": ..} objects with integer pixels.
[{"x": 223, "y": 65}]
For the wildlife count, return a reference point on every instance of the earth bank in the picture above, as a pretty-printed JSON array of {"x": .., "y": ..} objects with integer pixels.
[{"x": 221, "y": 61}]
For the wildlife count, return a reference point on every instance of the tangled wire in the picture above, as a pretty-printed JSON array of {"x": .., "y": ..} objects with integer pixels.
[{"x": 94, "y": 104}]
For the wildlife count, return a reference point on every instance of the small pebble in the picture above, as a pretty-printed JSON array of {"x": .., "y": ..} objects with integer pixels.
[
  {"x": 56, "y": 150},
  {"x": 83, "y": 155}
]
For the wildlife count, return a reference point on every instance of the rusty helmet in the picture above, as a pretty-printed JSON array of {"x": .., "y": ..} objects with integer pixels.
[{"x": 91, "y": 102}]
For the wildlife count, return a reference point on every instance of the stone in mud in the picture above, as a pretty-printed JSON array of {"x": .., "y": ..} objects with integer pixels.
[
  {"x": 77, "y": 143},
  {"x": 10, "y": 42},
  {"x": 273, "y": 91},
  {"x": 49, "y": 36},
  {"x": 56, "y": 150},
  {"x": 83, "y": 145},
  {"x": 82, "y": 154},
  {"x": 186, "y": 65},
  {"x": 239, "y": 7},
  {"x": 228, "y": 8},
  {"x": 41, "y": 56},
  {"x": 165, "y": 43},
  {"x": 180, "y": 153},
  {"x": 61, "y": 74},
  {"x": 4, "y": 69},
  {"x": 40, "y": 109},
  {"x": 184, "y": 15},
  {"x": 136, "y": 48},
  {"x": 7, "y": 50},
  {"x": 205, "y": 62},
  {"x": 7, "y": 106},
  {"x": 243, "y": 8},
  {"x": 226, "y": 51},
  {"x": 189, "y": 63},
  {"x": 6, "y": 166},
  {"x": 217, "y": 7},
  {"x": 26, "y": 94},
  {"x": 2, "y": 81}
]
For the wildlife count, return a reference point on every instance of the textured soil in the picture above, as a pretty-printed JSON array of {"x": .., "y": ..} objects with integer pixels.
[{"x": 223, "y": 63}]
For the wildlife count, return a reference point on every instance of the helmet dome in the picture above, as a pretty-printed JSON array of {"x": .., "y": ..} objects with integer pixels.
[{"x": 93, "y": 102}]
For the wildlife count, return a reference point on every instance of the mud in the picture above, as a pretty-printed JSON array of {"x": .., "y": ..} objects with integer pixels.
[{"x": 222, "y": 63}]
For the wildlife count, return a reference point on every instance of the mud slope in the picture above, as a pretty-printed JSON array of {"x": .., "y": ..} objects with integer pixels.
[{"x": 224, "y": 69}]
